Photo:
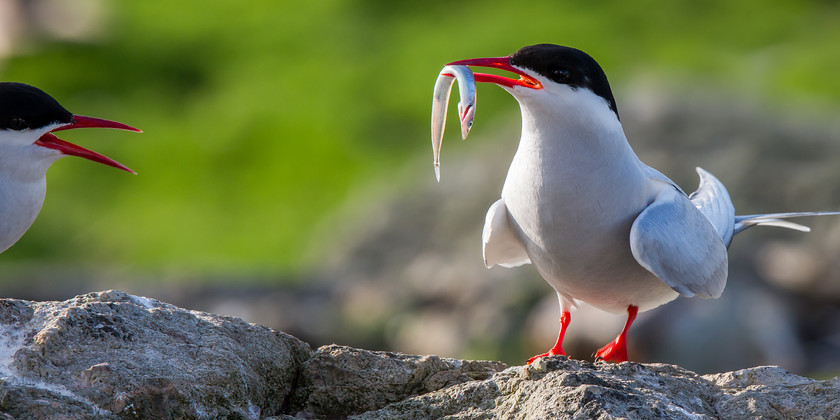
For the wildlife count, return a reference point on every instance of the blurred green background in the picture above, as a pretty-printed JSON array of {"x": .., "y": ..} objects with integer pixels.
[
  {"x": 263, "y": 118},
  {"x": 271, "y": 125}
]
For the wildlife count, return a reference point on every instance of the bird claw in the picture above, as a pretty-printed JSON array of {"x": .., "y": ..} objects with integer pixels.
[
  {"x": 615, "y": 351},
  {"x": 549, "y": 353},
  {"x": 532, "y": 359}
]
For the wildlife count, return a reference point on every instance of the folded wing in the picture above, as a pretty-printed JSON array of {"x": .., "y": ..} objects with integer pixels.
[
  {"x": 501, "y": 246},
  {"x": 672, "y": 239}
]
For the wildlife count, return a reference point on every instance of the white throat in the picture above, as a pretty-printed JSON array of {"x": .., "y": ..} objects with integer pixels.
[
  {"x": 20, "y": 206},
  {"x": 572, "y": 134},
  {"x": 574, "y": 170},
  {"x": 23, "y": 183},
  {"x": 576, "y": 117}
]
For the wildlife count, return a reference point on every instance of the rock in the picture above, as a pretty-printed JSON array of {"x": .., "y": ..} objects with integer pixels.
[
  {"x": 110, "y": 354},
  {"x": 114, "y": 355},
  {"x": 559, "y": 388},
  {"x": 342, "y": 380}
]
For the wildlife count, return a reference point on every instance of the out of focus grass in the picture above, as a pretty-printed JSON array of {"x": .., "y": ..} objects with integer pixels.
[{"x": 261, "y": 118}]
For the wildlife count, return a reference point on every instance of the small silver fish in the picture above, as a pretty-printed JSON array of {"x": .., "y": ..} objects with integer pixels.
[
  {"x": 440, "y": 105},
  {"x": 466, "y": 89}
]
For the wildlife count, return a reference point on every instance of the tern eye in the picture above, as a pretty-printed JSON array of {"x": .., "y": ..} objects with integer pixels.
[
  {"x": 18, "y": 123},
  {"x": 560, "y": 75}
]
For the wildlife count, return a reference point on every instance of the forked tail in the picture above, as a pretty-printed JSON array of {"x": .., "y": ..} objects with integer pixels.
[
  {"x": 712, "y": 199},
  {"x": 776, "y": 219}
]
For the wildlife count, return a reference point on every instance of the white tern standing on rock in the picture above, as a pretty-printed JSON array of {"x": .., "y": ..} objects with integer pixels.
[
  {"x": 28, "y": 118},
  {"x": 598, "y": 224}
]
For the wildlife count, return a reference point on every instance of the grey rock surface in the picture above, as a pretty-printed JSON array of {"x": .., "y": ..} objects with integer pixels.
[
  {"x": 110, "y": 354},
  {"x": 114, "y": 355},
  {"x": 559, "y": 388},
  {"x": 342, "y": 380}
]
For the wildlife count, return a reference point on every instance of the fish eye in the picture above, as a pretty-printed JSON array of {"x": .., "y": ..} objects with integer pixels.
[
  {"x": 560, "y": 75},
  {"x": 18, "y": 123}
]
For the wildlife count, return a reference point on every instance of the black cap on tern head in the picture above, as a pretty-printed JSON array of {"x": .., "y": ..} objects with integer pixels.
[
  {"x": 26, "y": 107},
  {"x": 566, "y": 65}
]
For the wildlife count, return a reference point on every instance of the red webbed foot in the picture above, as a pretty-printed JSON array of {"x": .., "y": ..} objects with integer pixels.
[
  {"x": 550, "y": 353},
  {"x": 613, "y": 352},
  {"x": 565, "y": 319},
  {"x": 617, "y": 350}
]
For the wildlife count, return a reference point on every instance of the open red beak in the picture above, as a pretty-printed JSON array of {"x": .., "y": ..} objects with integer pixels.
[
  {"x": 502, "y": 63},
  {"x": 50, "y": 141}
]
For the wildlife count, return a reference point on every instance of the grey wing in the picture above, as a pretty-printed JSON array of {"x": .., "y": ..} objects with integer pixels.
[
  {"x": 653, "y": 173},
  {"x": 673, "y": 240},
  {"x": 712, "y": 199},
  {"x": 501, "y": 245}
]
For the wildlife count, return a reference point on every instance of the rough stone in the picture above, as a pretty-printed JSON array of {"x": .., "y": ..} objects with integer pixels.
[
  {"x": 114, "y": 355},
  {"x": 342, "y": 380},
  {"x": 559, "y": 388},
  {"x": 110, "y": 354}
]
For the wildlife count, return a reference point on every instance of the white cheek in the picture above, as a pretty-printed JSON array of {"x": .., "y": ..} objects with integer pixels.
[
  {"x": 21, "y": 138},
  {"x": 25, "y": 137}
]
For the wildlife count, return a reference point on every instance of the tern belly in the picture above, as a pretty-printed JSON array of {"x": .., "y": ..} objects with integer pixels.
[{"x": 576, "y": 229}]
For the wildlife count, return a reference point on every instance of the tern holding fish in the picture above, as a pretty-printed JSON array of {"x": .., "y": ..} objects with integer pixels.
[{"x": 599, "y": 225}]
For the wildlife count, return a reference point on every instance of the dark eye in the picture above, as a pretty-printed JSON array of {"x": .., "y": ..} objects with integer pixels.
[
  {"x": 18, "y": 123},
  {"x": 560, "y": 75}
]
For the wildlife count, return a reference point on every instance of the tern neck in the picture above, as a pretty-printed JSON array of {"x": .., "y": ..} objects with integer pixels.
[
  {"x": 584, "y": 130},
  {"x": 23, "y": 183},
  {"x": 22, "y": 201},
  {"x": 567, "y": 149},
  {"x": 26, "y": 163}
]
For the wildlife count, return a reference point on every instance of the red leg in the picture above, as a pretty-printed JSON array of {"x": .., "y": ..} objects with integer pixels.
[
  {"x": 565, "y": 319},
  {"x": 617, "y": 350}
]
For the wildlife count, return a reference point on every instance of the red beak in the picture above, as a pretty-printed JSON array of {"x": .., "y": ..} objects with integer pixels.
[
  {"x": 50, "y": 141},
  {"x": 502, "y": 63}
]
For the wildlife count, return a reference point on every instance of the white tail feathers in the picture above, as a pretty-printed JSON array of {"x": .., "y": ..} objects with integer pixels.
[
  {"x": 712, "y": 199},
  {"x": 776, "y": 219}
]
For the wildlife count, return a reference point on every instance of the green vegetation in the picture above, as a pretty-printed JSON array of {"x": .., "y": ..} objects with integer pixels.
[{"x": 261, "y": 118}]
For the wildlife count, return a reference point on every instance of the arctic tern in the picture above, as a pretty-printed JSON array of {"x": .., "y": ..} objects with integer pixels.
[
  {"x": 28, "y": 119},
  {"x": 598, "y": 224}
]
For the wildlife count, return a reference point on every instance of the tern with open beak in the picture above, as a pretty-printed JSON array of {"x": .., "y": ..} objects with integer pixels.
[
  {"x": 28, "y": 119},
  {"x": 598, "y": 224}
]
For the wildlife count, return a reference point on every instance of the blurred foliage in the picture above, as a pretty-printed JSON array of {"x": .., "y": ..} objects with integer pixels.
[{"x": 262, "y": 118}]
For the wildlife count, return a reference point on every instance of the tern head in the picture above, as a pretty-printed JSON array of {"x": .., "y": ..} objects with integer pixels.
[
  {"x": 552, "y": 78},
  {"x": 28, "y": 119}
]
